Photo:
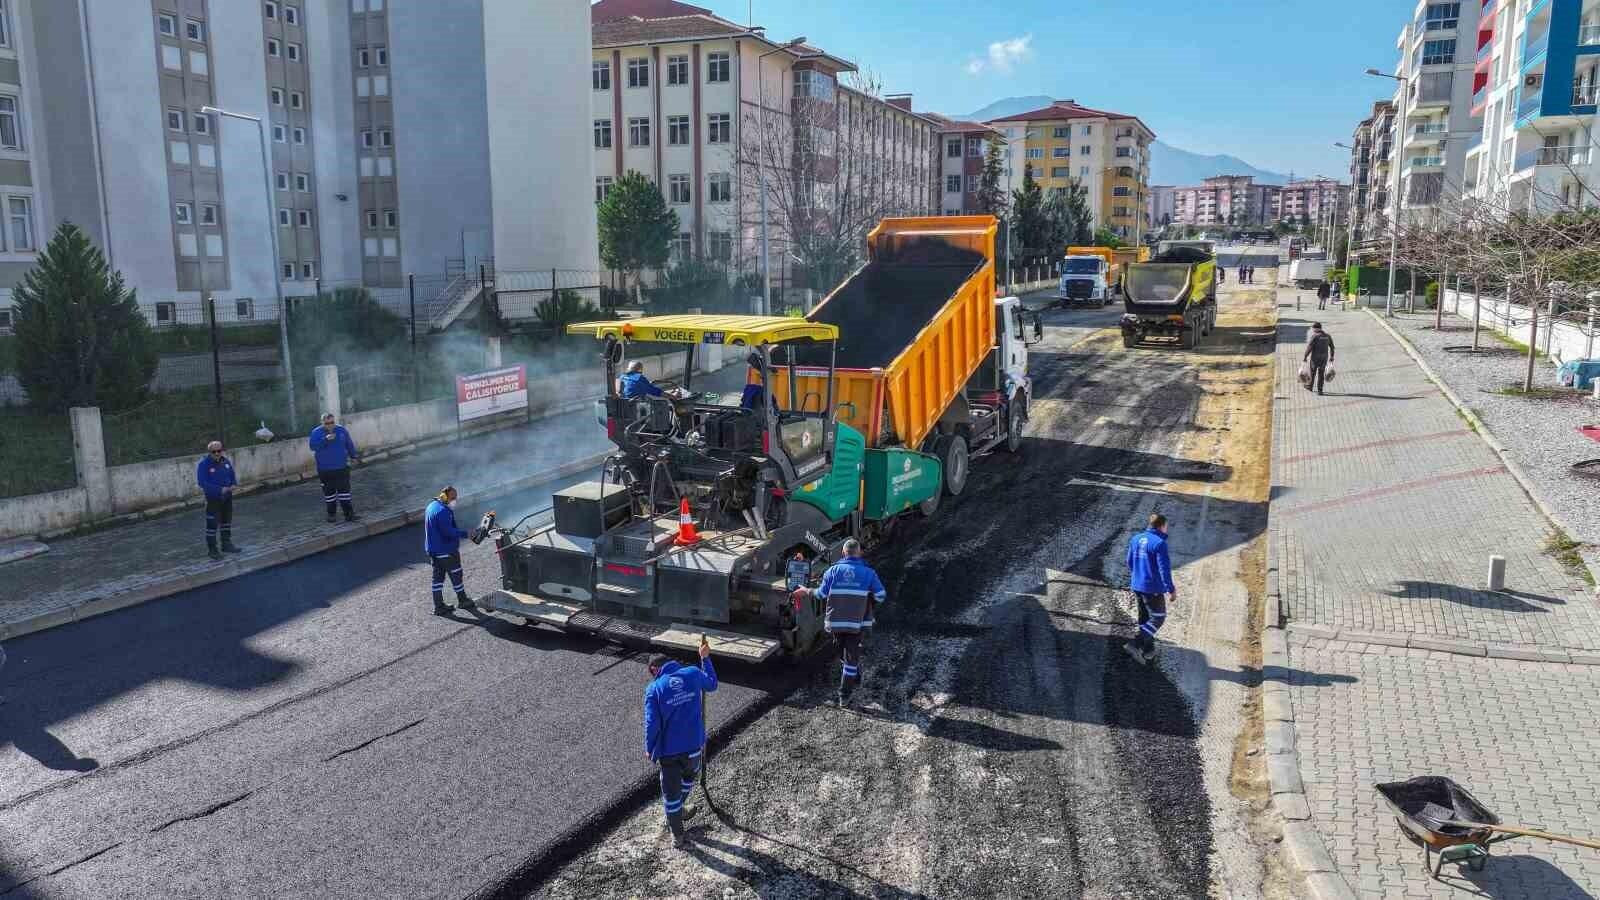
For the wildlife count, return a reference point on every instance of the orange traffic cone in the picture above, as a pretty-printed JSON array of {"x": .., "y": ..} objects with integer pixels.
[{"x": 686, "y": 532}]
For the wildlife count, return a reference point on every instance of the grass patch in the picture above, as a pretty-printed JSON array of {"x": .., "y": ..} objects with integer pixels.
[
  {"x": 1560, "y": 546},
  {"x": 1513, "y": 343},
  {"x": 35, "y": 452},
  {"x": 1472, "y": 425},
  {"x": 181, "y": 339},
  {"x": 1538, "y": 393}
]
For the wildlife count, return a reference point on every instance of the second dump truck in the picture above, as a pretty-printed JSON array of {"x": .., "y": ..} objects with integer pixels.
[
  {"x": 1171, "y": 297},
  {"x": 711, "y": 510}
]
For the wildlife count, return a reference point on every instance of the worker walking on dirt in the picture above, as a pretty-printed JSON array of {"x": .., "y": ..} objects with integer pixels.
[
  {"x": 1319, "y": 354},
  {"x": 217, "y": 479},
  {"x": 1150, "y": 579},
  {"x": 1323, "y": 291},
  {"x": 851, "y": 589},
  {"x": 334, "y": 450},
  {"x": 442, "y": 541},
  {"x": 675, "y": 731}
]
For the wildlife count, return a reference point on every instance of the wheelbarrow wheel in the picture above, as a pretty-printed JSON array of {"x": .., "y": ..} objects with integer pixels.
[{"x": 1588, "y": 467}]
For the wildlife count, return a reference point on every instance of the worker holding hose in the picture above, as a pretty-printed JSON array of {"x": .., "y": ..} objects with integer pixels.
[
  {"x": 675, "y": 732},
  {"x": 851, "y": 589}
]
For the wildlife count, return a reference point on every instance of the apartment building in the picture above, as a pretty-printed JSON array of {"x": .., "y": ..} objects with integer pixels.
[
  {"x": 709, "y": 109},
  {"x": 964, "y": 146},
  {"x": 1435, "y": 67},
  {"x": 1162, "y": 206},
  {"x": 1310, "y": 201},
  {"x": 1234, "y": 200},
  {"x": 1107, "y": 152},
  {"x": 1536, "y": 82},
  {"x": 1369, "y": 154},
  {"x": 375, "y": 119}
]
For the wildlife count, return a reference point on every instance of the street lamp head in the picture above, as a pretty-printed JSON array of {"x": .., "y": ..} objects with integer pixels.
[
  {"x": 210, "y": 110},
  {"x": 796, "y": 42}
]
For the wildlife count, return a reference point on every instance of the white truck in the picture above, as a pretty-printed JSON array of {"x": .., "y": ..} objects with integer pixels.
[
  {"x": 1085, "y": 279},
  {"x": 1307, "y": 273}
]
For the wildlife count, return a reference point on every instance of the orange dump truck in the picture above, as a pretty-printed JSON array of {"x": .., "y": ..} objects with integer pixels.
[{"x": 927, "y": 359}]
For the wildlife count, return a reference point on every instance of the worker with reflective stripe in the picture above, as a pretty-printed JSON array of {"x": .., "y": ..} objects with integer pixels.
[
  {"x": 675, "y": 731},
  {"x": 1150, "y": 576},
  {"x": 215, "y": 476},
  {"x": 851, "y": 589},
  {"x": 442, "y": 541},
  {"x": 334, "y": 449}
]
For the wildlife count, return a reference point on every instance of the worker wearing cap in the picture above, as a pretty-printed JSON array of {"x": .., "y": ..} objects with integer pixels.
[
  {"x": 442, "y": 541},
  {"x": 333, "y": 447},
  {"x": 216, "y": 479},
  {"x": 635, "y": 385},
  {"x": 675, "y": 731},
  {"x": 851, "y": 589}
]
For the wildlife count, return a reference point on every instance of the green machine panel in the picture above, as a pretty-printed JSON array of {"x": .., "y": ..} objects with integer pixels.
[
  {"x": 897, "y": 479},
  {"x": 836, "y": 493}
]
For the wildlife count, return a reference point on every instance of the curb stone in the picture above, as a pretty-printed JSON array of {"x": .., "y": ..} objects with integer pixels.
[
  {"x": 187, "y": 579},
  {"x": 1482, "y": 430}
]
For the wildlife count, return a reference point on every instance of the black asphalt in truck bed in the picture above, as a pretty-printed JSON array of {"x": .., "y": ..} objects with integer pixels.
[{"x": 882, "y": 307}]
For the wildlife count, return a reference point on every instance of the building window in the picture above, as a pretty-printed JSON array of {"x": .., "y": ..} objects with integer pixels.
[
  {"x": 974, "y": 147},
  {"x": 599, "y": 75},
  {"x": 720, "y": 128},
  {"x": 208, "y": 214},
  {"x": 678, "y": 188},
  {"x": 1088, "y": 130},
  {"x": 952, "y": 148},
  {"x": 281, "y": 179},
  {"x": 386, "y": 138},
  {"x": 308, "y": 270},
  {"x": 1061, "y": 172},
  {"x": 182, "y": 213},
  {"x": 638, "y": 73},
  {"x": 372, "y": 219},
  {"x": 363, "y": 58},
  {"x": 1062, "y": 131},
  {"x": 952, "y": 184},
  {"x": 202, "y": 123},
  {"x": 297, "y": 100},
  {"x": 167, "y": 25},
  {"x": 270, "y": 10},
  {"x": 677, "y": 70},
  {"x": 283, "y": 217},
  {"x": 194, "y": 30},
  {"x": 276, "y": 96},
  {"x": 602, "y": 187},
  {"x": 302, "y": 182},
  {"x": 198, "y": 64},
  {"x": 1035, "y": 153},
  {"x": 303, "y": 217},
  {"x": 21, "y": 209},
  {"x": 273, "y": 47},
  {"x": 719, "y": 245},
  {"x": 1438, "y": 53},
  {"x": 381, "y": 53},
  {"x": 682, "y": 246},
  {"x": 366, "y": 139},
  {"x": 175, "y": 120},
  {"x": 293, "y": 51},
  {"x": 1442, "y": 16},
  {"x": 720, "y": 188},
  {"x": 1121, "y": 192},
  {"x": 244, "y": 308},
  {"x": 638, "y": 132},
  {"x": 291, "y": 15},
  {"x": 602, "y": 134},
  {"x": 677, "y": 130},
  {"x": 809, "y": 83},
  {"x": 716, "y": 68},
  {"x": 299, "y": 135},
  {"x": 166, "y": 313},
  {"x": 288, "y": 271},
  {"x": 1124, "y": 152},
  {"x": 1061, "y": 152},
  {"x": 391, "y": 219},
  {"x": 1083, "y": 171},
  {"x": 972, "y": 184}
]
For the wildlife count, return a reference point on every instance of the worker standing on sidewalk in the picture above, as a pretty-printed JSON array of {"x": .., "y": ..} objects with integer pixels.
[
  {"x": 1319, "y": 353},
  {"x": 334, "y": 450},
  {"x": 442, "y": 541},
  {"x": 675, "y": 731},
  {"x": 1323, "y": 291},
  {"x": 851, "y": 589},
  {"x": 216, "y": 479},
  {"x": 1150, "y": 577}
]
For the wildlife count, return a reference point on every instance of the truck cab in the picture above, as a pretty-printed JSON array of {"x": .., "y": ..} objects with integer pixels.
[{"x": 1085, "y": 279}]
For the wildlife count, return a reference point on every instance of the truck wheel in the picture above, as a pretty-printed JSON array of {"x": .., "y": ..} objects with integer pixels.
[
  {"x": 931, "y": 505},
  {"x": 956, "y": 462},
  {"x": 1014, "y": 424}
]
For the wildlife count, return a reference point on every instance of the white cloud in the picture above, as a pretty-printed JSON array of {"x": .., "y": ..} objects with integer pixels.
[
  {"x": 1003, "y": 55},
  {"x": 974, "y": 66}
]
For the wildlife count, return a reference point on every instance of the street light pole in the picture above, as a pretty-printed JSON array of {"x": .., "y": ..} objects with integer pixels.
[
  {"x": 1350, "y": 216},
  {"x": 1395, "y": 149},
  {"x": 761, "y": 178},
  {"x": 272, "y": 230}
]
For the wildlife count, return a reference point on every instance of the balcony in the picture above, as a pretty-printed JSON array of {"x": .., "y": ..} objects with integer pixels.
[
  {"x": 1536, "y": 7},
  {"x": 1425, "y": 162},
  {"x": 1586, "y": 95},
  {"x": 1528, "y": 106},
  {"x": 1533, "y": 50},
  {"x": 1552, "y": 156},
  {"x": 1475, "y": 141},
  {"x": 1589, "y": 35},
  {"x": 1480, "y": 97},
  {"x": 1486, "y": 51}
]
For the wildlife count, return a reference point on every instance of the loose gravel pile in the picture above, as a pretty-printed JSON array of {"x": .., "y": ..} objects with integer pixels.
[{"x": 1540, "y": 434}]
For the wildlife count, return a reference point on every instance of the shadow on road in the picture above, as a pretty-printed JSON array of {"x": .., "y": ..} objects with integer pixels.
[
  {"x": 769, "y": 876},
  {"x": 1502, "y": 601}
]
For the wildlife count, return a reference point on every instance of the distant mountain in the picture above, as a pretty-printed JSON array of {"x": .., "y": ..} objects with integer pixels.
[
  {"x": 1176, "y": 166},
  {"x": 1010, "y": 106}
]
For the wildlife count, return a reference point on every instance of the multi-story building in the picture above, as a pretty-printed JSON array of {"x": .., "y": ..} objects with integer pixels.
[
  {"x": 1107, "y": 152},
  {"x": 1380, "y": 176},
  {"x": 1309, "y": 202},
  {"x": 1162, "y": 206},
  {"x": 1234, "y": 200},
  {"x": 963, "y": 149},
  {"x": 1535, "y": 86},
  {"x": 1435, "y": 70},
  {"x": 375, "y": 120},
  {"x": 718, "y": 115},
  {"x": 1366, "y": 141}
]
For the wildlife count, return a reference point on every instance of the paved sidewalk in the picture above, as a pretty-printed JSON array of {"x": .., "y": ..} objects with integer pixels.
[{"x": 1385, "y": 509}]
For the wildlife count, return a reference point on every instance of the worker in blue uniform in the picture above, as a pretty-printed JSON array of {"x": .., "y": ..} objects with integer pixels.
[
  {"x": 442, "y": 541},
  {"x": 675, "y": 731},
  {"x": 635, "y": 385},
  {"x": 852, "y": 590},
  {"x": 217, "y": 479},
  {"x": 334, "y": 449},
  {"x": 1150, "y": 579}
]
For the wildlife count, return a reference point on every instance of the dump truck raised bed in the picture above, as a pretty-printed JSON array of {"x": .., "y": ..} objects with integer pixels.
[
  {"x": 714, "y": 508},
  {"x": 1173, "y": 296}
]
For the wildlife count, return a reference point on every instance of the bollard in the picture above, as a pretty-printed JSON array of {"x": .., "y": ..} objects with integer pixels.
[
  {"x": 1297, "y": 302},
  {"x": 1497, "y": 573},
  {"x": 1596, "y": 384}
]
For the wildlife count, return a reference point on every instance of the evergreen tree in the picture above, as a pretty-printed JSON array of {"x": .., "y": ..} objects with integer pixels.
[
  {"x": 636, "y": 227},
  {"x": 81, "y": 339},
  {"x": 1071, "y": 220},
  {"x": 991, "y": 190},
  {"x": 1028, "y": 215}
]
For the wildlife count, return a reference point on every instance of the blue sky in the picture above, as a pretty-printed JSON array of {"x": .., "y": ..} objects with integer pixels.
[{"x": 1273, "y": 83}]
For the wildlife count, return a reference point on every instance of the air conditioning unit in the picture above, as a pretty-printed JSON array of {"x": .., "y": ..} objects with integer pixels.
[{"x": 1532, "y": 80}]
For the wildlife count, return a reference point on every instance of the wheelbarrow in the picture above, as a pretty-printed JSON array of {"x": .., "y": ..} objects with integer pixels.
[
  {"x": 1589, "y": 467},
  {"x": 1448, "y": 821}
]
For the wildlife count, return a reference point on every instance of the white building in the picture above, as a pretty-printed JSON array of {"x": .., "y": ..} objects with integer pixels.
[{"x": 1435, "y": 63}]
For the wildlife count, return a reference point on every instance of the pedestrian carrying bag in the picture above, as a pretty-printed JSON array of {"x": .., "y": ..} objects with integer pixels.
[
  {"x": 1328, "y": 373},
  {"x": 1305, "y": 373}
]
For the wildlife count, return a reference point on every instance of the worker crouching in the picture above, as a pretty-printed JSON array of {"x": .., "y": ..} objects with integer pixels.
[
  {"x": 675, "y": 732},
  {"x": 851, "y": 590}
]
